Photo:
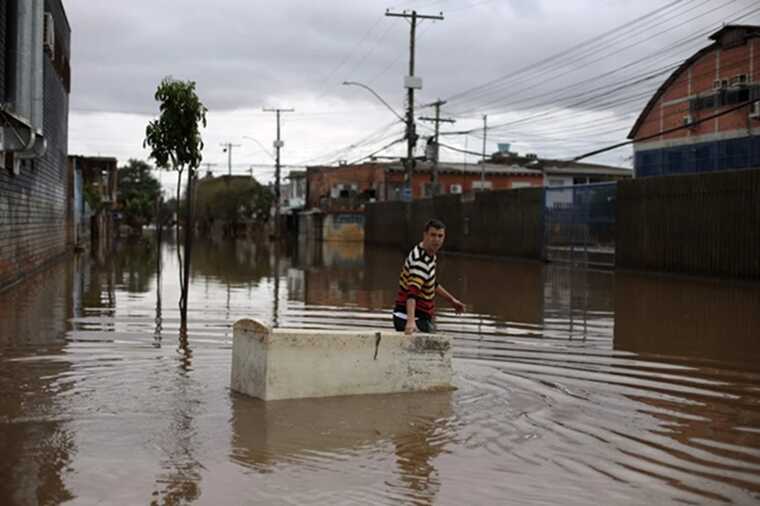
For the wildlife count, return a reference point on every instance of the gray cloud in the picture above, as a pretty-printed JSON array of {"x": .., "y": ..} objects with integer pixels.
[{"x": 247, "y": 54}]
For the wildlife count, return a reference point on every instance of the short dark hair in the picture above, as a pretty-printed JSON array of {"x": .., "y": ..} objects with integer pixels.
[{"x": 434, "y": 223}]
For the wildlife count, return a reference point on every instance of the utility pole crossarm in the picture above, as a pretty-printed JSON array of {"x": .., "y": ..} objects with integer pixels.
[
  {"x": 437, "y": 120},
  {"x": 390, "y": 14}
]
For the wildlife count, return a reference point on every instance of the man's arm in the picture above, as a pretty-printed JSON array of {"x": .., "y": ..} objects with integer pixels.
[
  {"x": 458, "y": 306},
  {"x": 411, "y": 303}
]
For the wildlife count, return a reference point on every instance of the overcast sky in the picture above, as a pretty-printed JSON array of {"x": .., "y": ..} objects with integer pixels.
[{"x": 559, "y": 74}]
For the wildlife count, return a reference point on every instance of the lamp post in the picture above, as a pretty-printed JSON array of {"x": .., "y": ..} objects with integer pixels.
[
  {"x": 386, "y": 104},
  {"x": 263, "y": 148}
]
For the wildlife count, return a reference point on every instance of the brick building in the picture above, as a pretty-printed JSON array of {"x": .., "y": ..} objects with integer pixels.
[
  {"x": 346, "y": 187},
  {"x": 350, "y": 186},
  {"x": 716, "y": 79},
  {"x": 34, "y": 91}
]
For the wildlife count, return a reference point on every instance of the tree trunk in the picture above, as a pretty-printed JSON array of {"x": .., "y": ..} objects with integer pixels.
[{"x": 188, "y": 246}]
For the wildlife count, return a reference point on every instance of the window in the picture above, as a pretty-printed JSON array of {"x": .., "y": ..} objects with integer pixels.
[{"x": 521, "y": 184}]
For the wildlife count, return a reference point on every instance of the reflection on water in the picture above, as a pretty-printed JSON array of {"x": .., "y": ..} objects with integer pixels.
[
  {"x": 695, "y": 318},
  {"x": 574, "y": 385},
  {"x": 37, "y": 443},
  {"x": 325, "y": 433}
]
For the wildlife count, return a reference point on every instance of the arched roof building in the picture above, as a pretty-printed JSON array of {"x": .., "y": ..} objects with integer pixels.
[{"x": 706, "y": 115}]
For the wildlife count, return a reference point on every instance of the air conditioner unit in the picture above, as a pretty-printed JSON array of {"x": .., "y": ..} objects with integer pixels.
[
  {"x": 719, "y": 84},
  {"x": 49, "y": 34},
  {"x": 754, "y": 112},
  {"x": 688, "y": 120},
  {"x": 739, "y": 80},
  {"x": 455, "y": 188}
]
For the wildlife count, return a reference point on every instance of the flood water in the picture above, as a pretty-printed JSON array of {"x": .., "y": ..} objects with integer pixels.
[{"x": 575, "y": 387}]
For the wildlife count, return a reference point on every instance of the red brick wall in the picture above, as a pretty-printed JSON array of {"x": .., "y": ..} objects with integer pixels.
[
  {"x": 320, "y": 180},
  {"x": 702, "y": 73}
]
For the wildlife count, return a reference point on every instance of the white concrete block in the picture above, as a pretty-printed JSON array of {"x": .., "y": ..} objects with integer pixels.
[{"x": 286, "y": 363}]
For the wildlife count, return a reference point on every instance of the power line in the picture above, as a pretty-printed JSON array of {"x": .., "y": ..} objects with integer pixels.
[
  {"x": 573, "y": 66},
  {"x": 534, "y": 65},
  {"x": 667, "y": 131}
]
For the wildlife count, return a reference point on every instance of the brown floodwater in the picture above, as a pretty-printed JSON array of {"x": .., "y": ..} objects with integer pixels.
[{"x": 574, "y": 386}]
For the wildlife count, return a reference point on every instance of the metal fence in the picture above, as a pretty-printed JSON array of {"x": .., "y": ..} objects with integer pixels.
[{"x": 579, "y": 224}]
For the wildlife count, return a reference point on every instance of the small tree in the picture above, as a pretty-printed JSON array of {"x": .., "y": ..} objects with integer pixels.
[
  {"x": 138, "y": 191},
  {"x": 175, "y": 143}
]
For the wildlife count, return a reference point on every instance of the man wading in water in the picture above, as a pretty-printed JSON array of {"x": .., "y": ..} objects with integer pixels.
[{"x": 417, "y": 286}]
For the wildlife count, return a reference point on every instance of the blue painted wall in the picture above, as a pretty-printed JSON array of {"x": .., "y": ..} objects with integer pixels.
[{"x": 731, "y": 154}]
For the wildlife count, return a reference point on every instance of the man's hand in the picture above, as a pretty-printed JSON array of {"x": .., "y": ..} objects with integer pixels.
[
  {"x": 458, "y": 306},
  {"x": 409, "y": 329}
]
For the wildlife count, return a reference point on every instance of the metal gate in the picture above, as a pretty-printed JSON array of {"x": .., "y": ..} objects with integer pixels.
[{"x": 579, "y": 224}]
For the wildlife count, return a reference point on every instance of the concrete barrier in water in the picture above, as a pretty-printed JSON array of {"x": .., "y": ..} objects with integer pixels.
[{"x": 287, "y": 363}]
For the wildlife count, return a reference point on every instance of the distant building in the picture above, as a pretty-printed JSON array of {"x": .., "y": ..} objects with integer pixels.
[
  {"x": 98, "y": 175},
  {"x": 717, "y": 78},
  {"x": 294, "y": 192},
  {"x": 346, "y": 187},
  {"x": 562, "y": 172},
  {"x": 34, "y": 93}
]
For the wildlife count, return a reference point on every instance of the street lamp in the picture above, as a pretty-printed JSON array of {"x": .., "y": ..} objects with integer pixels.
[
  {"x": 264, "y": 149},
  {"x": 361, "y": 85}
]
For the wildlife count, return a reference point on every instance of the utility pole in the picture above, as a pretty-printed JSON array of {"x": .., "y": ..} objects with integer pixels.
[
  {"x": 483, "y": 163},
  {"x": 411, "y": 83},
  {"x": 208, "y": 167},
  {"x": 438, "y": 120},
  {"x": 228, "y": 149},
  {"x": 277, "y": 145}
]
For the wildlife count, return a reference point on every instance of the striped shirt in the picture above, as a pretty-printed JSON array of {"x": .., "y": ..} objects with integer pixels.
[{"x": 417, "y": 280}]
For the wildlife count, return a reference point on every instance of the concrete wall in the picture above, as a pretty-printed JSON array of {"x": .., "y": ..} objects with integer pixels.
[
  {"x": 705, "y": 224},
  {"x": 502, "y": 223},
  {"x": 32, "y": 204}
]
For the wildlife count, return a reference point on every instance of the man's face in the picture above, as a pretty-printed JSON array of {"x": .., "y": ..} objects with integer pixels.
[{"x": 432, "y": 239}]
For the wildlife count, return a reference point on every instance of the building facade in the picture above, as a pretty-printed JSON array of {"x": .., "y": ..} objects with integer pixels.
[
  {"x": 34, "y": 92},
  {"x": 94, "y": 197},
  {"x": 706, "y": 115},
  {"x": 343, "y": 187}
]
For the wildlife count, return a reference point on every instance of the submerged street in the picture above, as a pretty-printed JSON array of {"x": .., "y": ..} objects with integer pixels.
[{"x": 574, "y": 386}]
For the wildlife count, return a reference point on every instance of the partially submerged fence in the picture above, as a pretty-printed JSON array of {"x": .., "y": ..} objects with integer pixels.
[
  {"x": 579, "y": 224},
  {"x": 704, "y": 224}
]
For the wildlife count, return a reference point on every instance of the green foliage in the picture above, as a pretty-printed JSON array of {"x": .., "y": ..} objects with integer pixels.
[
  {"x": 92, "y": 196},
  {"x": 232, "y": 200},
  {"x": 174, "y": 138},
  {"x": 138, "y": 190}
]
